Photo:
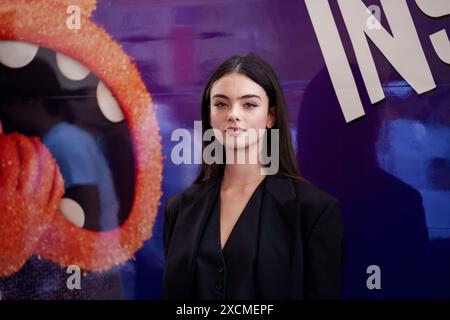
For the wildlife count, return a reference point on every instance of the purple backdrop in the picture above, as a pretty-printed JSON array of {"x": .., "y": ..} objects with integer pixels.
[{"x": 390, "y": 169}]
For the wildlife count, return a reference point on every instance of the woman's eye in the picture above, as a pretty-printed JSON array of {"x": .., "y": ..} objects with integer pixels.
[
  {"x": 219, "y": 105},
  {"x": 250, "y": 105}
]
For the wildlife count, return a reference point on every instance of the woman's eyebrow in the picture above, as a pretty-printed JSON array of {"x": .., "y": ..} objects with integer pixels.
[
  {"x": 220, "y": 96},
  {"x": 246, "y": 96}
]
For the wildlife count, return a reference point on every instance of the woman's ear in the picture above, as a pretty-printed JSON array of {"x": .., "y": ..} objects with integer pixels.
[{"x": 272, "y": 118}]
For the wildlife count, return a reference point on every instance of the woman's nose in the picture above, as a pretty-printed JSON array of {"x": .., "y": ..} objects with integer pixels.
[{"x": 233, "y": 114}]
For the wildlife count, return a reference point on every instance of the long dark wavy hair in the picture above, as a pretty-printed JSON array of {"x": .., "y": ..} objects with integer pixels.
[{"x": 262, "y": 73}]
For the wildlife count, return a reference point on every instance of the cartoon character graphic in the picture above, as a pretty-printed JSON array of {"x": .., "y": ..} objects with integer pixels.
[
  {"x": 38, "y": 196},
  {"x": 32, "y": 188}
]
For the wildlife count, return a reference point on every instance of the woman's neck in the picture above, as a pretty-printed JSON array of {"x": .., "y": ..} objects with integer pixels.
[{"x": 242, "y": 175}]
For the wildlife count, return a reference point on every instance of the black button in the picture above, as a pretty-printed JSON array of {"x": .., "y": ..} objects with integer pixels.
[
  {"x": 220, "y": 269},
  {"x": 218, "y": 286}
]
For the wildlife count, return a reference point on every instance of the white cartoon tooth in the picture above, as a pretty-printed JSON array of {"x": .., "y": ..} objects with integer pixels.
[
  {"x": 17, "y": 54},
  {"x": 108, "y": 104},
  {"x": 71, "y": 68},
  {"x": 72, "y": 211}
]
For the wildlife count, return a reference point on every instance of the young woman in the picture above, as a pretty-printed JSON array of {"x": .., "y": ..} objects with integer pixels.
[{"x": 239, "y": 232}]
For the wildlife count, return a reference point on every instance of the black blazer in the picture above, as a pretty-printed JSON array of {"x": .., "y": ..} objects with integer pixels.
[{"x": 300, "y": 253}]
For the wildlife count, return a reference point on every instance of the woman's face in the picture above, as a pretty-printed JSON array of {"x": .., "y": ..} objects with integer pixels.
[{"x": 239, "y": 109}]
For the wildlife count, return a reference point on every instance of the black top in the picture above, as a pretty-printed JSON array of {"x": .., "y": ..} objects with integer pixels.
[
  {"x": 300, "y": 246},
  {"x": 229, "y": 273}
]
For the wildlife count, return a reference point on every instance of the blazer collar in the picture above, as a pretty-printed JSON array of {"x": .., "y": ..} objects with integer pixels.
[
  {"x": 196, "y": 204},
  {"x": 275, "y": 185},
  {"x": 281, "y": 188}
]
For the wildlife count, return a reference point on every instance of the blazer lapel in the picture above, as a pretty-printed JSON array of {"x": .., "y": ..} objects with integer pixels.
[
  {"x": 196, "y": 204},
  {"x": 279, "y": 243},
  {"x": 279, "y": 264}
]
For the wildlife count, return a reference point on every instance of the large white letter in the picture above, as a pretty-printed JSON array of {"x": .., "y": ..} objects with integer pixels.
[
  {"x": 403, "y": 49},
  {"x": 437, "y": 9},
  {"x": 335, "y": 59}
]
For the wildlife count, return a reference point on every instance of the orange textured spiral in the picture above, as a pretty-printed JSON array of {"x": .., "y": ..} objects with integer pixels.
[
  {"x": 44, "y": 23},
  {"x": 31, "y": 188}
]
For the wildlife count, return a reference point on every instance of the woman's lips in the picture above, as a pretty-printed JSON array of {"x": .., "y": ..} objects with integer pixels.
[{"x": 234, "y": 131}]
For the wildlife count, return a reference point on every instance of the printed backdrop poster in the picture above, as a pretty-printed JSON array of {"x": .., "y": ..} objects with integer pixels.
[{"x": 91, "y": 93}]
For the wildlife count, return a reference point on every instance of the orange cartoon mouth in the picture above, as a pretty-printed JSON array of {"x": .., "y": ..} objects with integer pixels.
[{"x": 121, "y": 96}]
